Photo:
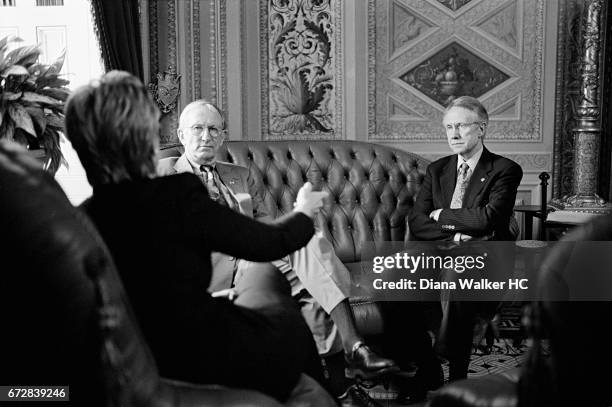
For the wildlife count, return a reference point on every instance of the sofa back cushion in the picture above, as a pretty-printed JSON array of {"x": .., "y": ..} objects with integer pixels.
[{"x": 372, "y": 188}]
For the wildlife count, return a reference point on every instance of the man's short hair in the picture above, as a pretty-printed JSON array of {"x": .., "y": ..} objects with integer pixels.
[
  {"x": 202, "y": 102},
  {"x": 472, "y": 104},
  {"x": 113, "y": 124}
]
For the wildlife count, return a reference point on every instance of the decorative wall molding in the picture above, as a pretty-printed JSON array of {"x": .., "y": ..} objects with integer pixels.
[
  {"x": 263, "y": 67},
  {"x": 189, "y": 49},
  {"x": 301, "y": 69},
  {"x": 371, "y": 67},
  {"x": 454, "y": 8},
  {"x": 196, "y": 54},
  {"x": 212, "y": 50},
  {"x": 244, "y": 71},
  {"x": 508, "y": 110},
  {"x": 393, "y": 77},
  {"x": 153, "y": 39},
  {"x": 143, "y": 19},
  {"x": 566, "y": 97},
  {"x": 529, "y": 162},
  {"x": 172, "y": 54},
  {"x": 532, "y": 162},
  {"x": 504, "y": 26},
  {"x": 222, "y": 53},
  {"x": 406, "y": 30}
]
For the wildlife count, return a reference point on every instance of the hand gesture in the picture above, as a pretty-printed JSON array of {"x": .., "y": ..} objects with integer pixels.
[{"x": 309, "y": 201}]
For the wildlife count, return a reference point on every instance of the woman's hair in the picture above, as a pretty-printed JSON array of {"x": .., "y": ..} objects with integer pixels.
[
  {"x": 472, "y": 104},
  {"x": 113, "y": 125}
]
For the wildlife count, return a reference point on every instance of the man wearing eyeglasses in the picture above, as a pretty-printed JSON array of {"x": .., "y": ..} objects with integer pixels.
[
  {"x": 317, "y": 277},
  {"x": 465, "y": 196}
]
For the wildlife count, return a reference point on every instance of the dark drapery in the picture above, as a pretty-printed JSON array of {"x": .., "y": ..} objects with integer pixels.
[{"x": 118, "y": 30}]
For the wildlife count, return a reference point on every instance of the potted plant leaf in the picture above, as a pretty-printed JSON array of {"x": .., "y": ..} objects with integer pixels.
[{"x": 32, "y": 98}]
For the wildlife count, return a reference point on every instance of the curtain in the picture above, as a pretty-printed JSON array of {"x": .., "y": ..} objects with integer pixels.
[{"x": 118, "y": 30}]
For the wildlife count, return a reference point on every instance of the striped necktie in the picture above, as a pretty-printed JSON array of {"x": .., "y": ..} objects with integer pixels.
[
  {"x": 217, "y": 191},
  {"x": 463, "y": 177}
]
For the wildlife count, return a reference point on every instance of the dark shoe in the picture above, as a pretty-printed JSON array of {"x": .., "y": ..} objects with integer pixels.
[
  {"x": 430, "y": 376},
  {"x": 364, "y": 363},
  {"x": 356, "y": 396}
]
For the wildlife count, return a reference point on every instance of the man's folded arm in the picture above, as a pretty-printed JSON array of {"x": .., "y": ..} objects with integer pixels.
[
  {"x": 421, "y": 226},
  {"x": 482, "y": 221}
]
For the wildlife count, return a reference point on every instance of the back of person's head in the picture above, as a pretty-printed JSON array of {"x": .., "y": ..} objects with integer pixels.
[
  {"x": 472, "y": 104},
  {"x": 113, "y": 125},
  {"x": 568, "y": 363}
]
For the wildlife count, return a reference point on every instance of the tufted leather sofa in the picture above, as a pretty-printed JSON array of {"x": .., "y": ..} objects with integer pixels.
[
  {"x": 372, "y": 188},
  {"x": 66, "y": 318}
]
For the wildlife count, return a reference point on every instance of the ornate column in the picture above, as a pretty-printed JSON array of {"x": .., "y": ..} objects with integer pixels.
[{"x": 587, "y": 130}]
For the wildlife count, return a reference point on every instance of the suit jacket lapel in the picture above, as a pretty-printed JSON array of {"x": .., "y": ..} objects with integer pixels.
[
  {"x": 479, "y": 178},
  {"x": 182, "y": 165},
  {"x": 231, "y": 178},
  {"x": 448, "y": 179}
]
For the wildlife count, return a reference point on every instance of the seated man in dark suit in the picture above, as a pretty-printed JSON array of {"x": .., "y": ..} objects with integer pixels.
[
  {"x": 318, "y": 279},
  {"x": 465, "y": 196}
]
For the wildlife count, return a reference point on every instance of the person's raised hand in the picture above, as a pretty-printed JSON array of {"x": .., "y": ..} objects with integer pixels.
[{"x": 309, "y": 201}]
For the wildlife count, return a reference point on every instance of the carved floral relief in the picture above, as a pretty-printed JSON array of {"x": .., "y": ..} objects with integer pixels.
[{"x": 301, "y": 53}]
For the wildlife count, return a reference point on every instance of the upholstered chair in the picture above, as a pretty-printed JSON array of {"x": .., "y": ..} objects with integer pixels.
[{"x": 66, "y": 319}]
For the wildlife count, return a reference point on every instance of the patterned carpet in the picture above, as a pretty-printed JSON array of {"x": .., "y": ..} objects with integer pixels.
[
  {"x": 500, "y": 357},
  {"x": 508, "y": 351}
]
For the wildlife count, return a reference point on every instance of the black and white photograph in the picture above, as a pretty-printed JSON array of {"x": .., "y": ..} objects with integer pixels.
[{"x": 305, "y": 203}]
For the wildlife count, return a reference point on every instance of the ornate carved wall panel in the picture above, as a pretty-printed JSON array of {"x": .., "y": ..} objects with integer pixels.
[
  {"x": 424, "y": 53},
  {"x": 302, "y": 69},
  {"x": 568, "y": 95}
]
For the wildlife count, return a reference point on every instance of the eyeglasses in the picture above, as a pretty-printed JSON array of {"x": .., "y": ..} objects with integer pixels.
[
  {"x": 461, "y": 126},
  {"x": 213, "y": 132}
]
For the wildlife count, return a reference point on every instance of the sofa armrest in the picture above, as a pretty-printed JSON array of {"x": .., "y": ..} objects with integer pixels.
[
  {"x": 368, "y": 316},
  {"x": 307, "y": 392},
  {"x": 180, "y": 394}
]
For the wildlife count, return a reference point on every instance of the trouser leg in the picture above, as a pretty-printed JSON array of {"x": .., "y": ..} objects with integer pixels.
[
  {"x": 343, "y": 317},
  {"x": 406, "y": 339},
  {"x": 279, "y": 348},
  {"x": 456, "y": 342}
]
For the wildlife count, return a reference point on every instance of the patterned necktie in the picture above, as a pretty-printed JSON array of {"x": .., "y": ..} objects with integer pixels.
[
  {"x": 217, "y": 191},
  {"x": 463, "y": 177}
]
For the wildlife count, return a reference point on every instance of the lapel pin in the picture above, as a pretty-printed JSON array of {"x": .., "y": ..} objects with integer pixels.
[
  {"x": 232, "y": 181},
  {"x": 482, "y": 179}
]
